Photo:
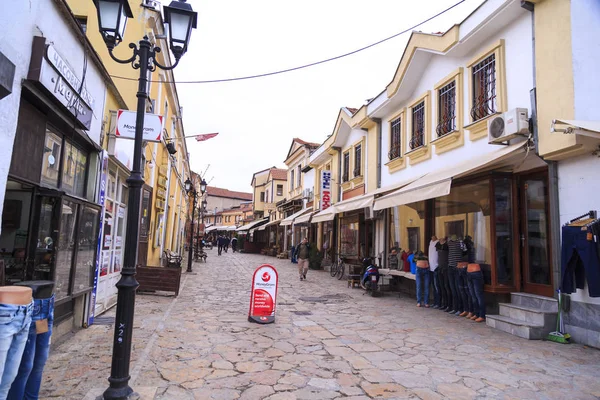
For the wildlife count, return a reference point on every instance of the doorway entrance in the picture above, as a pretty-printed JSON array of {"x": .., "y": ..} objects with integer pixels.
[{"x": 536, "y": 265}]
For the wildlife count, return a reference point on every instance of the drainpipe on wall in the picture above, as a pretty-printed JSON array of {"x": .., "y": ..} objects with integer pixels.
[{"x": 379, "y": 139}]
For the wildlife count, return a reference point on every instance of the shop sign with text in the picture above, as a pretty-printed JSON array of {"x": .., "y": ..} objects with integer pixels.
[
  {"x": 126, "y": 123},
  {"x": 263, "y": 299},
  {"x": 325, "y": 189}
]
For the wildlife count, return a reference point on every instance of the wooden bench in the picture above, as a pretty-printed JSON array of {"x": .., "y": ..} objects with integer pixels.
[
  {"x": 172, "y": 259},
  {"x": 353, "y": 276},
  {"x": 158, "y": 279}
]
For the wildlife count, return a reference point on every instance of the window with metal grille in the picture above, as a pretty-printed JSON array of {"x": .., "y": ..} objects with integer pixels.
[
  {"x": 395, "y": 139},
  {"x": 446, "y": 109},
  {"x": 418, "y": 126},
  {"x": 346, "y": 172},
  {"x": 484, "y": 88},
  {"x": 357, "y": 160}
]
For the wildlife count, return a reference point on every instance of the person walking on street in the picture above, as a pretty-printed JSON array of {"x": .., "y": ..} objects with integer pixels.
[
  {"x": 226, "y": 243},
  {"x": 234, "y": 244},
  {"x": 220, "y": 241},
  {"x": 302, "y": 252}
]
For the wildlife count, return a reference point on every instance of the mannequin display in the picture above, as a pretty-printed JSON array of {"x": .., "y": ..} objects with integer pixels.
[
  {"x": 475, "y": 279},
  {"x": 29, "y": 377},
  {"x": 404, "y": 258},
  {"x": 16, "y": 307},
  {"x": 422, "y": 278},
  {"x": 445, "y": 292},
  {"x": 455, "y": 252},
  {"x": 434, "y": 277},
  {"x": 468, "y": 257},
  {"x": 393, "y": 259}
]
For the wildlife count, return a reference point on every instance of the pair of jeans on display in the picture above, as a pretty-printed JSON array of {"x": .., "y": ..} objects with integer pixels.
[
  {"x": 462, "y": 286},
  {"x": 580, "y": 259},
  {"x": 29, "y": 377},
  {"x": 452, "y": 279},
  {"x": 445, "y": 293},
  {"x": 475, "y": 280},
  {"x": 15, "y": 321},
  {"x": 434, "y": 276},
  {"x": 422, "y": 279}
]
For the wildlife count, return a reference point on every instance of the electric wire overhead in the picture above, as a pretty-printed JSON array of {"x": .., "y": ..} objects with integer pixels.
[{"x": 240, "y": 78}]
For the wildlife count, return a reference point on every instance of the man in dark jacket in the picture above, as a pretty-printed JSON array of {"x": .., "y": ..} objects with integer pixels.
[
  {"x": 220, "y": 243},
  {"x": 302, "y": 254}
]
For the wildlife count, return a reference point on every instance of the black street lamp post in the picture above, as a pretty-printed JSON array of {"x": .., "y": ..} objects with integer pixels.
[
  {"x": 191, "y": 191},
  {"x": 112, "y": 20}
]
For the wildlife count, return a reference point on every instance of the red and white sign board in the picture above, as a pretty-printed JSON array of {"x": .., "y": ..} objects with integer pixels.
[
  {"x": 126, "y": 126},
  {"x": 263, "y": 299}
]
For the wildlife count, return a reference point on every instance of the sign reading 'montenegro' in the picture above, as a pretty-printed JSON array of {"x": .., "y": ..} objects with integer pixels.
[{"x": 263, "y": 299}]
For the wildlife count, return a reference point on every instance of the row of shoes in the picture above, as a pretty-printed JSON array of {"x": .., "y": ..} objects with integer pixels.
[{"x": 465, "y": 314}]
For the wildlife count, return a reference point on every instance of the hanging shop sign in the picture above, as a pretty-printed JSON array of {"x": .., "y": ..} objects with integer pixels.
[
  {"x": 263, "y": 298},
  {"x": 325, "y": 189},
  {"x": 99, "y": 266},
  {"x": 50, "y": 69},
  {"x": 126, "y": 123}
]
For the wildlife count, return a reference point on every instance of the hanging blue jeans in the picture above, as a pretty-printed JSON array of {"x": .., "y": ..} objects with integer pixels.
[
  {"x": 476, "y": 289},
  {"x": 14, "y": 328},
  {"x": 463, "y": 289},
  {"x": 452, "y": 278},
  {"x": 29, "y": 378},
  {"x": 422, "y": 279},
  {"x": 434, "y": 277},
  {"x": 580, "y": 260}
]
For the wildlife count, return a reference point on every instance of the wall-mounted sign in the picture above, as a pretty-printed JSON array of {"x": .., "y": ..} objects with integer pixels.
[
  {"x": 325, "y": 189},
  {"x": 55, "y": 74},
  {"x": 263, "y": 298},
  {"x": 126, "y": 122}
]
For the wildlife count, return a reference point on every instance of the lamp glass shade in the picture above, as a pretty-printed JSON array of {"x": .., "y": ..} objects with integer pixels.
[
  {"x": 181, "y": 19},
  {"x": 109, "y": 13},
  {"x": 204, "y": 203},
  {"x": 203, "y": 186},
  {"x": 188, "y": 185},
  {"x": 112, "y": 19}
]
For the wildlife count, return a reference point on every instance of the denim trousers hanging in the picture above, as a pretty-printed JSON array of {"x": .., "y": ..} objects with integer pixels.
[
  {"x": 476, "y": 289},
  {"x": 580, "y": 260},
  {"x": 14, "y": 328},
  {"x": 29, "y": 378}
]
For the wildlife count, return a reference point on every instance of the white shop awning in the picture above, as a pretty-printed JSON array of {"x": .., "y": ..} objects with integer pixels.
[
  {"x": 252, "y": 225},
  {"x": 355, "y": 203},
  {"x": 304, "y": 219},
  {"x": 276, "y": 222},
  {"x": 438, "y": 183},
  {"x": 326, "y": 215},
  {"x": 288, "y": 221},
  {"x": 584, "y": 128}
]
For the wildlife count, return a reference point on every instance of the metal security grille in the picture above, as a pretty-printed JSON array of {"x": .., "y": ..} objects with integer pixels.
[
  {"x": 346, "y": 167},
  {"x": 396, "y": 137},
  {"x": 447, "y": 109},
  {"x": 418, "y": 126},
  {"x": 357, "y": 160},
  {"x": 484, "y": 88}
]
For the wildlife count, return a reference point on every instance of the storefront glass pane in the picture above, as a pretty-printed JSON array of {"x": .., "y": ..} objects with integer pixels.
[
  {"x": 504, "y": 225},
  {"x": 74, "y": 170},
  {"x": 86, "y": 252},
  {"x": 14, "y": 233},
  {"x": 407, "y": 228},
  {"x": 349, "y": 239},
  {"x": 465, "y": 212},
  {"x": 537, "y": 231},
  {"x": 51, "y": 161},
  {"x": 66, "y": 245}
]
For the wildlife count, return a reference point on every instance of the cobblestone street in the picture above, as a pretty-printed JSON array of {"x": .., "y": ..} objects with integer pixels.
[{"x": 328, "y": 342}]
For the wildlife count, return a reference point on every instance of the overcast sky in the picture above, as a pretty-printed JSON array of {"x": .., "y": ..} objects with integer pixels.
[{"x": 258, "y": 118}]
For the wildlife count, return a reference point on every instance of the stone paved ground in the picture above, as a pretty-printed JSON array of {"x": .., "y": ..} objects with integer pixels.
[{"x": 200, "y": 346}]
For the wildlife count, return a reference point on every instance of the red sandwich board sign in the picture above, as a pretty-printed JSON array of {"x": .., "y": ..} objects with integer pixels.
[{"x": 264, "y": 295}]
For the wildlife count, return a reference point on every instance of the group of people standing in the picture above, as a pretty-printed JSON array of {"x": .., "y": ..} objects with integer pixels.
[
  {"x": 223, "y": 243},
  {"x": 456, "y": 279}
]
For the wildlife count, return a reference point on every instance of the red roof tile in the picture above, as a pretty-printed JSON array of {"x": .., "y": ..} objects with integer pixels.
[
  {"x": 279, "y": 174},
  {"x": 352, "y": 110},
  {"x": 219, "y": 192},
  {"x": 302, "y": 142}
]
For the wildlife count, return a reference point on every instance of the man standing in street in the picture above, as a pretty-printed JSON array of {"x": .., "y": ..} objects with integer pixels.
[
  {"x": 302, "y": 252},
  {"x": 220, "y": 244}
]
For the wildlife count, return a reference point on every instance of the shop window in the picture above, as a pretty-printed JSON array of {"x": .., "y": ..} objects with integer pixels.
[
  {"x": 349, "y": 236},
  {"x": 299, "y": 177},
  {"x": 446, "y": 109},
  {"x": 346, "y": 166},
  {"x": 417, "y": 138},
  {"x": 86, "y": 249},
  {"x": 484, "y": 88},
  {"x": 291, "y": 180},
  {"x": 407, "y": 227},
  {"x": 464, "y": 215},
  {"x": 357, "y": 160},
  {"x": 395, "y": 139},
  {"x": 262, "y": 195},
  {"x": 74, "y": 170},
  {"x": 65, "y": 249},
  {"x": 279, "y": 190},
  {"x": 51, "y": 161},
  {"x": 504, "y": 229}
]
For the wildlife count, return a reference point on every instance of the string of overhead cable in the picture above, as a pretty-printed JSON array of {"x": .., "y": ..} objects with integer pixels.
[{"x": 240, "y": 78}]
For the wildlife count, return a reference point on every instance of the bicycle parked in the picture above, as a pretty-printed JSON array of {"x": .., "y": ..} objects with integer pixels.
[{"x": 338, "y": 267}]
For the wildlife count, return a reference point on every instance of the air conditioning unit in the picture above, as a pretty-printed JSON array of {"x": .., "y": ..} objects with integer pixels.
[
  {"x": 504, "y": 127},
  {"x": 372, "y": 214}
]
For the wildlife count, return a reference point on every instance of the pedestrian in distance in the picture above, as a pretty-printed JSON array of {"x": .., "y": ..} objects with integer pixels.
[
  {"x": 226, "y": 243},
  {"x": 220, "y": 242},
  {"x": 302, "y": 253}
]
